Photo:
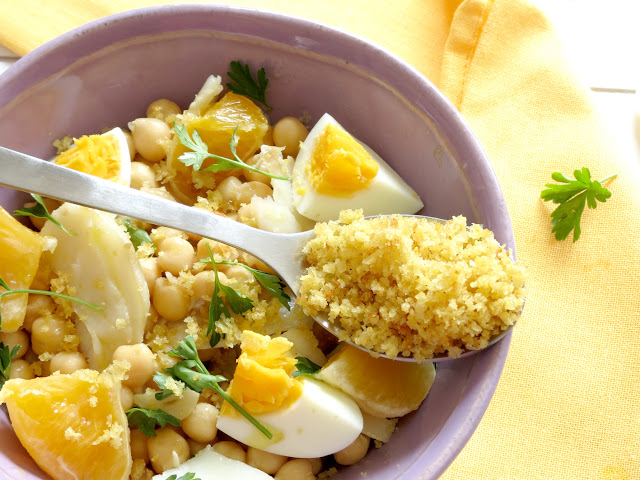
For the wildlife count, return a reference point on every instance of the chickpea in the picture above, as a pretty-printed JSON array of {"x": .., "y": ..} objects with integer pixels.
[
  {"x": 200, "y": 425},
  {"x": 227, "y": 189},
  {"x": 316, "y": 465},
  {"x": 237, "y": 273},
  {"x": 268, "y": 137},
  {"x": 152, "y": 319},
  {"x": 253, "y": 262},
  {"x": 139, "y": 448},
  {"x": 288, "y": 133},
  {"x": 142, "y": 362},
  {"x": 151, "y": 271},
  {"x": 247, "y": 214},
  {"x": 269, "y": 463},
  {"x": 170, "y": 300},
  {"x": 158, "y": 192},
  {"x": 148, "y": 136},
  {"x": 205, "y": 282},
  {"x": 51, "y": 205},
  {"x": 296, "y": 469},
  {"x": 160, "y": 234},
  {"x": 353, "y": 453},
  {"x": 168, "y": 449},
  {"x": 11, "y": 339},
  {"x": 163, "y": 109},
  {"x": 195, "y": 447},
  {"x": 126, "y": 398},
  {"x": 68, "y": 362},
  {"x": 264, "y": 163},
  {"x": 231, "y": 450},
  {"x": 21, "y": 369},
  {"x": 248, "y": 190},
  {"x": 47, "y": 334},
  {"x": 217, "y": 248},
  {"x": 130, "y": 145},
  {"x": 142, "y": 175},
  {"x": 175, "y": 255}
]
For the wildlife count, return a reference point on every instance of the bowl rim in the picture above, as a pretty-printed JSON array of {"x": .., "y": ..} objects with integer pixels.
[{"x": 64, "y": 50}]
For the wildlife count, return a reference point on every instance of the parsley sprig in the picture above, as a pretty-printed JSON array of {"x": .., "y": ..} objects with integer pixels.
[
  {"x": 40, "y": 211},
  {"x": 243, "y": 83},
  {"x": 305, "y": 367},
  {"x": 200, "y": 378},
  {"x": 10, "y": 291},
  {"x": 6, "y": 355},
  {"x": 571, "y": 197},
  {"x": 200, "y": 152},
  {"x": 146, "y": 420},
  {"x": 237, "y": 302},
  {"x": 224, "y": 295}
]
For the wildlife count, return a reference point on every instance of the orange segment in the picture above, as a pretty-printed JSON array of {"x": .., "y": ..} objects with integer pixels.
[
  {"x": 20, "y": 250},
  {"x": 262, "y": 381},
  {"x": 73, "y": 426},
  {"x": 381, "y": 387},
  {"x": 216, "y": 127}
]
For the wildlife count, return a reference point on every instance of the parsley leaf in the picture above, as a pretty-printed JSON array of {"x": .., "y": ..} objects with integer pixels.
[
  {"x": 305, "y": 367},
  {"x": 6, "y": 355},
  {"x": 238, "y": 302},
  {"x": 572, "y": 195},
  {"x": 200, "y": 378},
  {"x": 244, "y": 84},
  {"x": 200, "y": 152},
  {"x": 40, "y": 211},
  {"x": 146, "y": 420},
  {"x": 9, "y": 291},
  {"x": 272, "y": 283},
  {"x": 137, "y": 235},
  {"x": 186, "y": 476}
]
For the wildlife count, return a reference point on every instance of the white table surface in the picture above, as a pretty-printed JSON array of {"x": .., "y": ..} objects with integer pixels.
[{"x": 601, "y": 40}]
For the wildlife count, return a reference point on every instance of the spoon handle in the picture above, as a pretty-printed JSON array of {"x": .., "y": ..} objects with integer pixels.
[{"x": 30, "y": 174}]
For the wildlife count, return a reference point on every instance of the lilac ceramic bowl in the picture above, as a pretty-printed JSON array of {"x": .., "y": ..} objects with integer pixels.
[{"x": 107, "y": 72}]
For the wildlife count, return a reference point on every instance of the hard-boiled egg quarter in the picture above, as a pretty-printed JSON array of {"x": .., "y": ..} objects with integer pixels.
[
  {"x": 334, "y": 171},
  {"x": 321, "y": 421},
  {"x": 105, "y": 156}
]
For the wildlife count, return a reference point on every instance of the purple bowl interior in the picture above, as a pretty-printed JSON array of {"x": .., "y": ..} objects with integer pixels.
[{"x": 106, "y": 73}]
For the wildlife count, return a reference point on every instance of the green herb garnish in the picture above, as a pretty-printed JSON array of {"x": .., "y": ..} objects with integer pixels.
[
  {"x": 146, "y": 420},
  {"x": 6, "y": 355},
  {"x": 9, "y": 291},
  {"x": 244, "y": 84},
  {"x": 272, "y": 283},
  {"x": 238, "y": 302},
  {"x": 571, "y": 197},
  {"x": 305, "y": 367},
  {"x": 186, "y": 476},
  {"x": 200, "y": 378},
  {"x": 40, "y": 211},
  {"x": 137, "y": 235},
  {"x": 200, "y": 152}
]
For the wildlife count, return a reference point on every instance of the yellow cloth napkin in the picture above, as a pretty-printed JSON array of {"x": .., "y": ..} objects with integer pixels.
[{"x": 568, "y": 404}]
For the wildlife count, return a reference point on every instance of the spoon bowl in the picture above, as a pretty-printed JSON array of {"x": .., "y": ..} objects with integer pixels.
[{"x": 280, "y": 251}]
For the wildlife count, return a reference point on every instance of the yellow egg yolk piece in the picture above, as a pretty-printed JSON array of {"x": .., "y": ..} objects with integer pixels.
[
  {"x": 339, "y": 165},
  {"x": 93, "y": 154},
  {"x": 262, "y": 381}
]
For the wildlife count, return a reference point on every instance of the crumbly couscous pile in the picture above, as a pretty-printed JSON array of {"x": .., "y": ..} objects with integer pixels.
[{"x": 408, "y": 286}]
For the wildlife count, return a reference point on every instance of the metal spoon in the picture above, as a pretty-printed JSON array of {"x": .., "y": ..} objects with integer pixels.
[{"x": 281, "y": 251}]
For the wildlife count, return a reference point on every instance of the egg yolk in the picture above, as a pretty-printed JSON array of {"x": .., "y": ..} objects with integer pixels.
[
  {"x": 339, "y": 166},
  {"x": 262, "y": 381},
  {"x": 93, "y": 154}
]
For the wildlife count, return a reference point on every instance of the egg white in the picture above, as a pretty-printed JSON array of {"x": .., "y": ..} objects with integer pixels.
[
  {"x": 120, "y": 141},
  {"x": 322, "y": 421},
  {"x": 386, "y": 193}
]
